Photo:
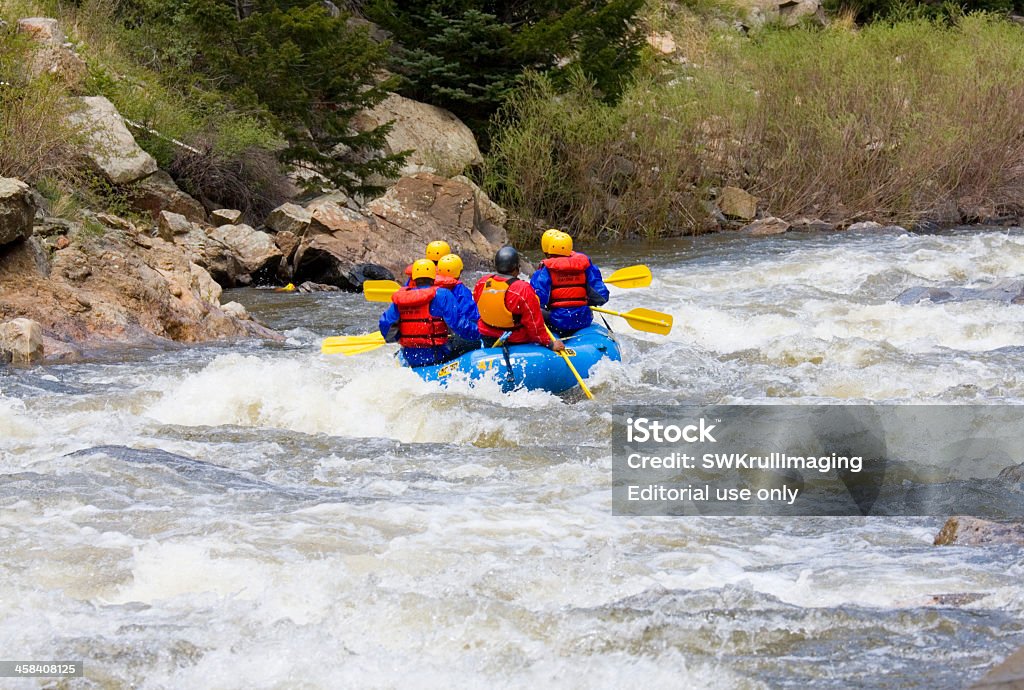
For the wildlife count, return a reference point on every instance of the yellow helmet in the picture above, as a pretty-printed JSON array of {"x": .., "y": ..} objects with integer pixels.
[
  {"x": 556, "y": 242},
  {"x": 437, "y": 249},
  {"x": 423, "y": 268},
  {"x": 449, "y": 265}
]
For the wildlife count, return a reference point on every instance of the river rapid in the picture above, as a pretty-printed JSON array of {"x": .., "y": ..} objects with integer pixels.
[{"x": 257, "y": 515}]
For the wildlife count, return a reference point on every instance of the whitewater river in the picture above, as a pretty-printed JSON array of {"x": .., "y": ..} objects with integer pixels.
[{"x": 261, "y": 516}]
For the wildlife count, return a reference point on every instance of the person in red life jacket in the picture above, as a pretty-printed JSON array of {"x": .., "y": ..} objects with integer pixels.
[
  {"x": 425, "y": 319},
  {"x": 567, "y": 283},
  {"x": 509, "y": 305},
  {"x": 435, "y": 250},
  {"x": 449, "y": 268}
]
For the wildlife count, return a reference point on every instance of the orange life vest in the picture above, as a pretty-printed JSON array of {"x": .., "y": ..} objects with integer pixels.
[
  {"x": 493, "y": 310},
  {"x": 446, "y": 282},
  {"x": 417, "y": 327},
  {"x": 568, "y": 280}
]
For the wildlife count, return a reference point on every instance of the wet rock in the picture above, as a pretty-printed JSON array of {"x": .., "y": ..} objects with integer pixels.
[
  {"x": 290, "y": 218},
  {"x": 436, "y": 137},
  {"x": 158, "y": 192},
  {"x": 17, "y": 210},
  {"x": 310, "y": 286},
  {"x": 812, "y": 225},
  {"x": 236, "y": 309},
  {"x": 225, "y": 216},
  {"x": 170, "y": 224},
  {"x": 1013, "y": 474},
  {"x": 766, "y": 226},
  {"x": 865, "y": 225},
  {"x": 972, "y": 531},
  {"x": 1008, "y": 675},
  {"x": 255, "y": 250},
  {"x": 109, "y": 145},
  {"x": 1007, "y": 292},
  {"x": 736, "y": 203},
  {"x": 21, "y": 341}
]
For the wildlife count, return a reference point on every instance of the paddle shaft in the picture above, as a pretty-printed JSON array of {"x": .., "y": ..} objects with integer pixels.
[
  {"x": 579, "y": 379},
  {"x": 630, "y": 317}
]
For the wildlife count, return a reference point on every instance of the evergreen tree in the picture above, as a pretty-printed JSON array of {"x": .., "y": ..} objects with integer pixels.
[{"x": 466, "y": 55}]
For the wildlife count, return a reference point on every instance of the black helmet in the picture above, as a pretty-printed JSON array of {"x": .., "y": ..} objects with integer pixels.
[{"x": 506, "y": 261}]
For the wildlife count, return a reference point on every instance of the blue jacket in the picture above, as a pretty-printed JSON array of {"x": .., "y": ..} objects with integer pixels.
[
  {"x": 571, "y": 318},
  {"x": 443, "y": 306},
  {"x": 465, "y": 303}
]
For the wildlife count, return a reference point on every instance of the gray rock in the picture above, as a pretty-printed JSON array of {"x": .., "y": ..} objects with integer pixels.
[
  {"x": 21, "y": 340},
  {"x": 225, "y": 216},
  {"x": 812, "y": 225},
  {"x": 235, "y": 309},
  {"x": 158, "y": 192},
  {"x": 17, "y": 210},
  {"x": 170, "y": 224},
  {"x": 972, "y": 531},
  {"x": 109, "y": 145},
  {"x": 1007, "y": 292},
  {"x": 41, "y": 30},
  {"x": 865, "y": 225}
]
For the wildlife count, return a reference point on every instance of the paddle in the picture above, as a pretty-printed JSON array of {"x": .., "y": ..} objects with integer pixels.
[
  {"x": 630, "y": 277},
  {"x": 351, "y": 344},
  {"x": 579, "y": 379},
  {"x": 380, "y": 290},
  {"x": 641, "y": 319}
]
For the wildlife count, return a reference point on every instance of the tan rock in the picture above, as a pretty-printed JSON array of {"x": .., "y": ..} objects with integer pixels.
[
  {"x": 766, "y": 226},
  {"x": 255, "y": 250},
  {"x": 41, "y": 30},
  {"x": 736, "y": 203},
  {"x": 972, "y": 531},
  {"x": 436, "y": 137},
  {"x": 236, "y": 309},
  {"x": 17, "y": 210},
  {"x": 287, "y": 242},
  {"x": 21, "y": 340},
  {"x": 170, "y": 224},
  {"x": 290, "y": 218},
  {"x": 109, "y": 145},
  {"x": 225, "y": 216},
  {"x": 158, "y": 192},
  {"x": 662, "y": 42},
  {"x": 213, "y": 256}
]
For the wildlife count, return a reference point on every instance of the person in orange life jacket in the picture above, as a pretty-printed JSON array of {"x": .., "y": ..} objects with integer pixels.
[
  {"x": 449, "y": 268},
  {"x": 509, "y": 305},
  {"x": 422, "y": 317},
  {"x": 435, "y": 250},
  {"x": 567, "y": 284}
]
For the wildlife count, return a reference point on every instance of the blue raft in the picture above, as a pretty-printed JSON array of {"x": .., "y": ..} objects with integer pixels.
[{"x": 533, "y": 367}]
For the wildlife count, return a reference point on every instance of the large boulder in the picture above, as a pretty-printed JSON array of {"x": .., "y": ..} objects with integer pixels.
[
  {"x": 115, "y": 287},
  {"x": 21, "y": 341},
  {"x": 737, "y": 203},
  {"x": 289, "y": 218},
  {"x": 213, "y": 256},
  {"x": 437, "y": 138},
  {"x": 255, "y": 250},
  {"x": 225, "y": 216},
  {"x": 17, "y": 210},
  {"x": 50, "y": 54},
  {"x": 110, "y": 147},
  {"x": 158, "y": 192},
  {"x": 343, "y": 247}
]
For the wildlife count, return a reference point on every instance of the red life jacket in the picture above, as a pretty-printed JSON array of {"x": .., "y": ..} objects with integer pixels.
[
  {"x": 417, "y": 327},
  {"x": 568, "y": 280},
  {"x": 446, "y": 282}
]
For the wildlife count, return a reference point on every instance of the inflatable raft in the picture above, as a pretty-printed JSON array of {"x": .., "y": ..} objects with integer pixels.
[{"x": 532, "y": 367}]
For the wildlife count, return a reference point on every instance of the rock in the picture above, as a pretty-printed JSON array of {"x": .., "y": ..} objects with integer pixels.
[
  {"x": 170, "y": 224},
  {"x": 158, "y": 192},
  {"x": 61, "y": 243},
  {"x": 340, "y": 243},
  {"x": 1008, "y": 291},
  {"x": 236, "y": 309},
  {"x": 1013, "y": 474},
  {"x": 41, "y": 30},
  {"x": 972, "y": 531},
  {"x": 310, "y": 286},
  {"x": 767, "y": 226},
  {"x": 290, "y": 218},
  {"x": 17, "y": 210},
  {"x": 256, "y": 251},
  {"x": 213, "y": 256},
  {"x": 811, "y": 225},
  {"x": 791, "y": 12},
  {"x": 1007, "y": 675},
  {"x": 435, "y": 136},
  {"x": 865, "y": 225},
  {"x": 736, "y": 203},
  {"x": 142, "y": 295},
  {"x": 109, "y": 145},
  {"x": 50, "y": 54},
  {"x": 21, "y": 340},
  {"x": 225, "y": 216},
  {"x": 287, "y": 242},
  {"x": 662, "y": 42}
]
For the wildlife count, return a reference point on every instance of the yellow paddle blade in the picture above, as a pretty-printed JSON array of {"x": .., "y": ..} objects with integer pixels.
[
  {"x": 380, "y": 290},
  {"x": 630, "y": 277},
  {"x": 343, "y": 340},
  {"x": 348, "y": 349},
  {"x": 290, "y": 287},
  {"x": 646, "y": 320}
]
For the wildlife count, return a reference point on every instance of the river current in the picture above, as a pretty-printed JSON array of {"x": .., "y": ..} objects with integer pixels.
[{"x": 258, "y": 515}]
